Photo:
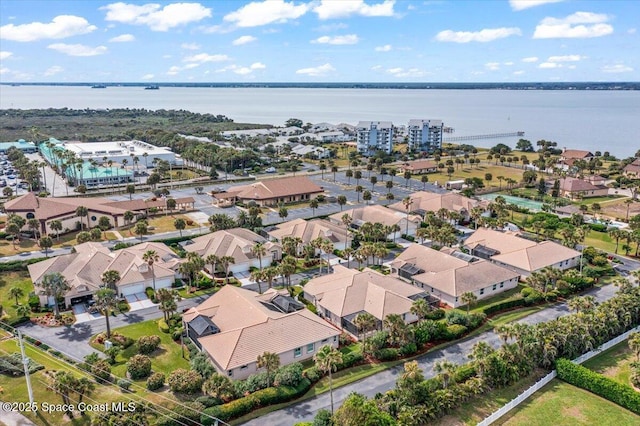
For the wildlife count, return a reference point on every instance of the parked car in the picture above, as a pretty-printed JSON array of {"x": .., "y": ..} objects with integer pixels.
[{"x": 270, "y": 170}]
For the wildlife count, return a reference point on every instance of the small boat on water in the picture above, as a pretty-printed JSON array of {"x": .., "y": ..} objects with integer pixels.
[
  {"x": 152, "y": 87},
  {"x": 98, "y": 86}
]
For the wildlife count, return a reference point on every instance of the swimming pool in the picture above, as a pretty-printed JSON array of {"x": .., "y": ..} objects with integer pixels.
[{"x": 510, "y": 199}]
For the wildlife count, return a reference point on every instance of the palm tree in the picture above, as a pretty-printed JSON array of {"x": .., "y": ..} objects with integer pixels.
[
  {"x": 634, "y": 344},
  {"x": 420, "y": 308},
  {"x": 257, "y": 275},
  {"x": 83, "y": 386},
  {"x": 212, "y": 260},
  {"x": 399, "y": 332},
  {"x": 227, "y": 261},
  {"x": 16, "y": 292},
  {"x": 365, "y": 322},
  {"x": 469, "y": 298},
  {"x": 446, "y": 370},
  {"x": 327, "y": 360},
  {"x": 22, "y": 311},
  {"x": 128, "y": 216},
  {"x": 82, "y": 211},
  {"x": 167, "y": 302},
  {"x": 259, "y": 250},
  {"x": 151, "y": 257},
  {"x": 106, "y": 301},
  {"x": 187, "y": 269},
  {"x": 270, "y": 362},
  {"x": 110, "y": 278},
  {"x": 61, "y": 382},
  {"x": 407, "y": 201},
  {"x": 180, "y": 224},
  {"x": 54, "y": 286},
  {"x": 219, "y": 386}
]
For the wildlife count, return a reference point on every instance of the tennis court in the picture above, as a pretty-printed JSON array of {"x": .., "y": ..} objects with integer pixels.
[{"x": 510, "y": 199}]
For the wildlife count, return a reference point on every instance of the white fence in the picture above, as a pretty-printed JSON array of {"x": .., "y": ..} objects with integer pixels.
[{"x": 546, "y": 379}]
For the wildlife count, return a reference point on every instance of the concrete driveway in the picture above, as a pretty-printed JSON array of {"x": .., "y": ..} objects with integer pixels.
[{"x": 139, "y": 301}]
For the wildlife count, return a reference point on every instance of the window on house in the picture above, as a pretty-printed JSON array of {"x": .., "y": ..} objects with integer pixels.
[
  {"x": 495, "y": 286},
  {"x": 244, "y": 367},
  {"x": 502, "y": 284},
  {"x": 325, "y": 340},
  {"x": 311, "y": 347},
  {"x": 230, "y": 373},
  {"x": 297, "y": 352},
  {"x": 482, "y": 291}
]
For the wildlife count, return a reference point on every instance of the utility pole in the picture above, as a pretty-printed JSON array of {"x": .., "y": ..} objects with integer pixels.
[{"x": 25, "y": 363}]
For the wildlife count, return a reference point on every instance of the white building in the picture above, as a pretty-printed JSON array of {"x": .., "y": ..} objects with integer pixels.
[
  {"x": 372, "y": 136},
  {"x": 425, "y": 135}
]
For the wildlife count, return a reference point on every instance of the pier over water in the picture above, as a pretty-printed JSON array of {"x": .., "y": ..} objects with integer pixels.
[{"x": 488, "y": 136}]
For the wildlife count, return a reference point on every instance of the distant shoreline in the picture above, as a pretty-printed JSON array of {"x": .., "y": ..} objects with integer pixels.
[{"x": 408, "y": 86}]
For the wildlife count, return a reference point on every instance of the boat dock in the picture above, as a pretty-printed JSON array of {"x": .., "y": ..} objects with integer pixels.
[{"x": 489, "y": 136}]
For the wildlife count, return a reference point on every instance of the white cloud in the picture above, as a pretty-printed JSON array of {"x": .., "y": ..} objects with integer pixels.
[
  {"x": 331, "y": 27},
  {"x": 191, "y": 66},
  {"x": 243, "y": 40},
  {"x": 530, "y": 59},
  {"x": 246, "y": 70},
  {"x": 344, "y": 39},
  {"x": 566, "y": 58},
  {"x": 61, "y": 26},
  {"x": 256, "y": 14},
  {"x": 78, "y": 49},
  {"x": 4, "y": 70},
  {"x": 508, "y": 63},
  {"x": 190, "y": 46},
  {"x": 148, "y": 76},
  {"x": 578, "y": 25},
  {"x": 56, "y": 69},
  {"x": 376, "y": 67},
  {"x": 519, "y": 72},
  {"x": 317, "y": 71},
  {"x": 174, "y": 70},
  {"x": 205, "y": 57},
  {"x": 408, "y": 73},
  {"x": 331, "y": 9},
  {"x": 483, "y": 36},
  {"x": 154, "y": 16},
  {"x": 492, "y": 66},
  {"x": 631, "y": 31},
  {"x": 122, "y": 38},
  {"x": 4, "y": 54},
  {"x": 549, "y": 65},
  {"x": 385, "y": 48},
  {"x": 526, "y": 4},
  {"x": 618, "y": 68}
]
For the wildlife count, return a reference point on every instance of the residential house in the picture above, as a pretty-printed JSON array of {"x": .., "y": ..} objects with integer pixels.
[
  {"x": 379, "y": 214},
  {"x": 424, "y": 201},
  {"x": 235, "y": 326},
  {"x": 272, "y": 192},
  {"x": 83, "y": 270},
  {"x": 46, "y": 210},
  {"x": 309, "y": 230},
  {"x": 419, "y": 167},
  {"x": 573, "y": 188},
  {"x": 372, "y": 136},
  {"x": 425, "y": 135},
  {"x": 519, "y": 254},
  {"x": 570, "y": 156},
  {"x": 341, "y": 296},
  {"x": 448, "y": 274},
  {"x": 237, "y": 243},
  {"x": 632, "y": 170}
]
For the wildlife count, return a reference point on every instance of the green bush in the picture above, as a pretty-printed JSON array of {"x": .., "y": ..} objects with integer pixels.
[
  {"x": 155, "y": 381},
  {"x": 313, "y": 374},
  {"x": 139, "y": 366},
  {"x": 350, "y": 359},
  {"x": 584, "y": 378},
  {"x": 102, "y": 370},
  {"x": 185, "y": 381},
  {"x": 18, "y": 265},
  {"x": 436, "y": 314},
  {"x": 454, "y": 316},
  {"x": 163, "y": 326},
  {"x": 386, "y": 354},
  {"x": 408, "y": 349},
  {"x": 208, "y": 401},
  {"x": 503, "y": 306},
  {"x": 289, "y": 375},
  {"x": 148, "y": 344},
  {"x": 455, "y": 331},
  {"x": 228, "y": 411},
  {"x": 427, "y": 330},
  {"x": 124, "y": 384},
  {"x": 150, "y": 294},
  {"x": 177, "y": 333}
]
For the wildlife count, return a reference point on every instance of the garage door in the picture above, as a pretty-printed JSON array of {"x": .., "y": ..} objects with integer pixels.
[{"x": 132, "y": 289}]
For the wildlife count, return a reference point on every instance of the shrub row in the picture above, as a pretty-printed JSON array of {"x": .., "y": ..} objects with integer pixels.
[
  {"x": 503, "y": 306},
  {"x": 584, "y": 378},
  {"x": 18, "y": 265},
  {"x": 261, "y": 398}
]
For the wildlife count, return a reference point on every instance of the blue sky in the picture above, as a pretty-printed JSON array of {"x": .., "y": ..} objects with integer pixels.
[{"x": 319, "y": 40}]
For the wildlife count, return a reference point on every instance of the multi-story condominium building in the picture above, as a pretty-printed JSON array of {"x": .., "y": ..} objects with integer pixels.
[
  {"x": 372, "y": 136},
  {"x": 425, "y": 135}
]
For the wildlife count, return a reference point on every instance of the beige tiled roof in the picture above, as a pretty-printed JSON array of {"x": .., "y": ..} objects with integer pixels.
[
  {"x": 248, "y": 328},
  {"x": 432, "y": 202},
  {"x": 536, "y": 257},
  {"x": 374, "y": 214},
  {"x": 426, "y": 259},
  {"x": 571, "y": 184},
  {"x": 504, "y": 242},
  {"x": 632, "y": 168},
  {"x": 419, "y": 165},
  {"x": 236, "y": 242},
  {"x": 576, "y": 153},
  {"x": 309, "y": 230},
  {"x": 348, "y": 291},
  {"x": 273, "y": 188}
]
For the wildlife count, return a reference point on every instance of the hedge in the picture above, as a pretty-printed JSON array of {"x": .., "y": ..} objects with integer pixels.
[
  {"x": 261, "y": 398},
  {"x": 163, "y": 326},
  {"x": 582, "y": 377},
  {"x": 18, "y": 265},
  {"x": 503, "y": 306}
]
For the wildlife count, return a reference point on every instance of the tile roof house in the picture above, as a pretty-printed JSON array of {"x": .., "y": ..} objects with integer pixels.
[
  {"x": 379, "y": 214},
  {"x": 46, "y": 210},
  {"x": 234, "y": 326},
  {"x": 83, "y": 270},
  {"x": 632, "y": 170},
  {"x": 571, "y": 187},
  {"x": 237, "y": 243},
  {"x": 575, "y": 154},
  {"x": 419, "y": 167},
  {"x": 309, "y": 230},
  {"x": 424, "y": 201},
  {"x": 447, "y": 274},
  {"x": 273, "y": 191},
  {"x": 341, "y": 296},
  {"x": 519, "y": 254}
]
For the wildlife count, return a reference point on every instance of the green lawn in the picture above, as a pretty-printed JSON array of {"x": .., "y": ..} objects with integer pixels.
[
  {"x": 560, "y": 403},
  {"x": 166, "y": 359},
  {"x": 14, "y": 279},
  {"x": 614, "y": 363}
]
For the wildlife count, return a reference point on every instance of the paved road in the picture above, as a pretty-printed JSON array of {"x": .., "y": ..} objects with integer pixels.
[{"x": 381, "y": 382}]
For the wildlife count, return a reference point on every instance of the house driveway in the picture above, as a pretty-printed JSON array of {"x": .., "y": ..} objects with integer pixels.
[{"x": 139, "y": 301}]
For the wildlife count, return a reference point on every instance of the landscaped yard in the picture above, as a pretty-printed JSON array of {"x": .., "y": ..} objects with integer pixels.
[
  {"x": 561, "y": 403},
  {"x": 165, "y": 223},
  {"x": 14, "y": 279},
  {"x": 30, "y": 244},
  {"x": 614, "y": 363}
]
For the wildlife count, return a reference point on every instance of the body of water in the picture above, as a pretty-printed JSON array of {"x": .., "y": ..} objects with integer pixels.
[{"x": 584, "y": 119}]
